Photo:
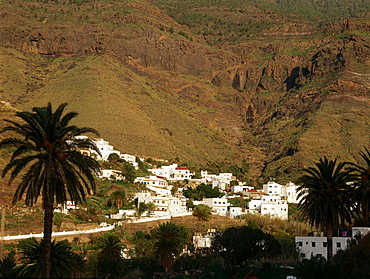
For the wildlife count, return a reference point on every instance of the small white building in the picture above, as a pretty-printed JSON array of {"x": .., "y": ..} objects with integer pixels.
[
  {"x": 182, "y": 173},
  {"x": 273, "y": 188},
  {"x": 317, "y": 245},
  {"x": 222, "y": 181},
  {"x": 105, "y": 149},
  {"x": 111, "y": 175},
  {"x": 290, "y": 192},
  {"x": 165, "y": 171},
  {"x": 270, "y": 205},
  {"x": 234, "y": 211},
  {"x": 218, "y": 205},
  {"x": 164, "y": 205},
  {"x": 203, "y": 241},
  {"x": 207, "y": 176},
  {"x": 241, "y": 189},
  {"x": 155, "y": 183},
  {"x": 129, "y": 159}
]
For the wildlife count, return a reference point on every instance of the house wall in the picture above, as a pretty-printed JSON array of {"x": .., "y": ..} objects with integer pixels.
[{"x": 316, "y": 246}]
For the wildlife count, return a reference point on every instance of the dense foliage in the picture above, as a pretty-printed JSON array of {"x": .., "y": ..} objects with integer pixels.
[{"x": 202, "y": 191}]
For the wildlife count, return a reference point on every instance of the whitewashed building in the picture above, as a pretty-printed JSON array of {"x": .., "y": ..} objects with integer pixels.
[
  {"x": 155, "y": 183},
  {"x": 241, "y": 189},
  {"x": 171, "y": 206},
  {"x": 182, "y": 173},
  {"x": 270, "y": 205},
  {"x": 234, "y": 211},
  {"x": 165, "y": 171},
  {"x": 130, "y": 159},
  {"x": 111, "y": 175},
  {"x": 317, "y": 245},
  {"x": 203, "y": 241},
  {"x": 288, "y": 191},
  {"x": 222, "y": 180},
  {"x": 218, "y": 205}
]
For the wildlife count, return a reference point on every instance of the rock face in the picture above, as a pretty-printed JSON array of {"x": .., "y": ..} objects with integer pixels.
[{"x": 262, "y": 100}]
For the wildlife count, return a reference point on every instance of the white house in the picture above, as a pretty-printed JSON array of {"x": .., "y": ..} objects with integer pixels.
[
  {"x": 182, "y": 173},
  {"x": 105, "y": 149},
  {"x": 270, "y": 205},
  {"x": 290, "y": 192},
  {"x": 130, "y": 159},
  {"x": 317, "y": 245},
  {"x": 234, "y": 211},
  {"x": 273, "y": 188},
  {"x": 155, "y": 183},
  {"x": 203, "y": 241},
  {"x": 218, "y": 205},
  {"x": 111, "y": 174},
  {"x": 241, "y": 188},
  {"x": 222, "y": 180},
  {"x": 165, "y": 171},
  {"x": 171, "y": 206},
  {"x": 205, "y": 175}
]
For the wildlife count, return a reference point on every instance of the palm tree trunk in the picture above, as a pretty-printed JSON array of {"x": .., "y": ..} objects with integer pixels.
[
  {"x": 365, "y": 211},
  {"x": 48, "y": 228},
  {"x": 329, "y": 235}
]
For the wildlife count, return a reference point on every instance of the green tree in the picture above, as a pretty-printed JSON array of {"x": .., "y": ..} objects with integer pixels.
[
  {"x": 48, "y": 154},
  {"x": 118, "y": 198},
  {"x": 239, "y": 244},
  {"x": 202, "y": 212},
  {"x": 110, "y": 263},
  {"x": 170, "y": 240},
  {"x": 64, "y": 263},
  {"x": 326, "y": 200},
  {"x": 361, "y": 191},
  {"x": 202, "y": 191}
]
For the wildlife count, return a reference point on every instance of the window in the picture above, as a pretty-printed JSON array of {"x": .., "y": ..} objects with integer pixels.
[
  {"x": 324, "y": 244},
  {"x": 300, "y": 243},
  {"x": 303, "y": 255},
  {"x": 339, "y": 245},
  {"x": 313, "y": 244},
  {"x": 319, "y": 255}
]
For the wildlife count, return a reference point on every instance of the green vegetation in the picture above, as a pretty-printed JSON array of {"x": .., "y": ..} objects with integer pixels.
[{"x": 202, "y": 191}]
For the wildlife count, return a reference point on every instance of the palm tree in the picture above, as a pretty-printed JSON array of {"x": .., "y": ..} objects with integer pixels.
[
  {"x": 170, "y": 240},
  {"x": 326, "y": 199},
  {"x": 118, "y": 198},
  {"x": 47, "y": 153},
  {"x": 110, "y": 263},
  {"x": 202, "y": 212},
  {"x": 361, "y": 191},
  {"x": 9, "y": 268},
  {"x": 65, "y": 263}
]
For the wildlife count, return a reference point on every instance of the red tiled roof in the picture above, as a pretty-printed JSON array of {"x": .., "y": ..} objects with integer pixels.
[
  {"x": 181, "y": 168},
  {"x": 252, "y": 191}
]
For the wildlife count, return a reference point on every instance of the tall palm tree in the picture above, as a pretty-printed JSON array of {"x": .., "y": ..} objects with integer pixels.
[
  {"x": 326, "y": 199},
  {"x": 361, "y": 191},
  {"x": 65, "y": 263},
  {"x": 170, "y": 240},
  {"x": 110, "y": 264},
  {"x": 47, "y": 153}
]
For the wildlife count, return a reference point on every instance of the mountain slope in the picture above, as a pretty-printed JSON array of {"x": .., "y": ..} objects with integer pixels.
[{"x": 277, "y": 92}]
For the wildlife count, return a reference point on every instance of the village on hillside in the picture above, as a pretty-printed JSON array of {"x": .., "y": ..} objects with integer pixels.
[{"x": 166, "y": 201}]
